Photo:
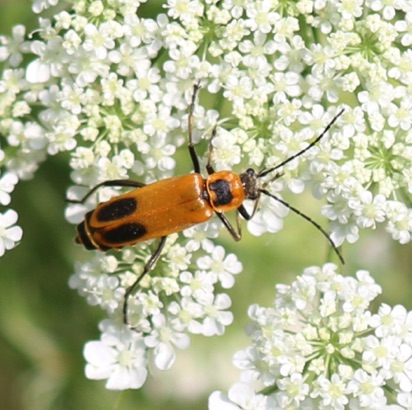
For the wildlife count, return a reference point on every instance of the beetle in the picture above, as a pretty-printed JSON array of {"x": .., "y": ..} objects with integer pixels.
[{"x": 171, "y": 205}]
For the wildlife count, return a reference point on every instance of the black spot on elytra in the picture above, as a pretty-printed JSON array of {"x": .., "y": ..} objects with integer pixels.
[
  {"x": 124, "y": 233},
  {"x": 116, "y": 209}
]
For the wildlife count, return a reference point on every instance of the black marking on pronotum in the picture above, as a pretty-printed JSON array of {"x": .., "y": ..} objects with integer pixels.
[
  {"x": 223, "y": 194},
  {"x": 125, "y": 233},
  {"x": 117, "y": 209}
]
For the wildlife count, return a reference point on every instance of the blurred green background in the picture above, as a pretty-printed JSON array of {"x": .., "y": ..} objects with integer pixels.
[{"x": 44, "y": 324}]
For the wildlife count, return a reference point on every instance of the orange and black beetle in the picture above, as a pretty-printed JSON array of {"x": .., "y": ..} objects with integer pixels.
[{"x": 174, "y": 204}]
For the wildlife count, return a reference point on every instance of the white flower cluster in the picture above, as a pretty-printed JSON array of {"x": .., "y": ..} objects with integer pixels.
[
  {"x": 178, "y": 299},
  {"x": 320, "y": 347},
  {"x": 10, "y": 234},
  {"x": 112, "y": 88}
]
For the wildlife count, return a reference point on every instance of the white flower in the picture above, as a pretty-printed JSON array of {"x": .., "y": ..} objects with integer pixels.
[
  {"x": 403, "y": 26},
  {"x": 200, "y": 235},
  {"x": 388, "y": 11},
  {"x": 71, "y": 97},
  {"x": 7, "y": 183},
  {"x": 226, "y": 152},
  {"x": 238, "y": 89},
  {"x": 369, "y": 210},
  {"x": 62, "y": 138},
  {"x": 223, "y": 267},
  {"x": 240, "y": 396},
  {"x": 106, "y": 293},
  {"x": 261, "y": 17},
  {"x": 269, "y": 216},
  {"x": 216, "y": 317},
  {"x": 393, "y": 321},
  {"x": 400, "y": 116},
  {"x": 401, "y": 368},
  {"x": 294, "y": 388},
  {"x": 38, "y": 72},
  {"x": 39, "y": 5},
  {"x": 367, "y": 389},
  {"x": 333, "y": 392},
  {"x": 380, "y": 352},
  {"x": 162, "y": 340},
  {"x": 286, "y": 85},
  {"x": 183, "y": 61},
  {"x": 184, "y": 9},
  {"x": 178, "y": 258},
  {"x": 405, "y": 400},
  {"x": 12, "y": 48},
  {"x": 119, "y": 356},
  {"x": 400, "y": 226},
  {"x": 199, "y": 284},
  {"x": 350, "y": 9},
  {"x": 96, "y": 41},
  {"x": 309, "y": 349},
  {"x": 9, "y": 234},
  {"x": 186, "y": 314}
]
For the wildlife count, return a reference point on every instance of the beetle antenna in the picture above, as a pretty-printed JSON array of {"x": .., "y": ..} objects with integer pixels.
[
  {"x": 323, "y": 133},
  {"x": 315, "y": 224}
]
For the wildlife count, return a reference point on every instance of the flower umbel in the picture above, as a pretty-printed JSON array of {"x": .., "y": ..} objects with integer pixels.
[
  {"x": 112, "y": 89},
  {"x": 321, "y": 347}
]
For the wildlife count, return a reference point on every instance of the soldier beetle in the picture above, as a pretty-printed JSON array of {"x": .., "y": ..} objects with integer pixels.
[{"x": 171, "y": 205}]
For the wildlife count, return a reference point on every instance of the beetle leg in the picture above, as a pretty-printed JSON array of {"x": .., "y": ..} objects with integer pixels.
[
  {"x": 245, "y": 214},
  {"x": 236, "y": 235},
  {"x": 192, "y": 151},
  {"x": 115, "y": 182},
  {"x": 309, "y": 219},
  {"x": 149, "y": 266},
  {"x": 209, "y": 167}
]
